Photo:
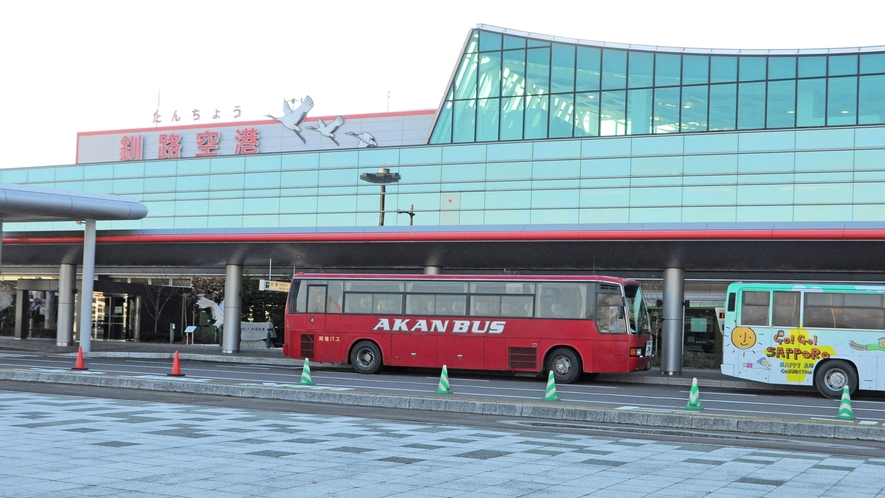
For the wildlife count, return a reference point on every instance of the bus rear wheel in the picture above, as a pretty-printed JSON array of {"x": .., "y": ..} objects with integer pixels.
[
  {"x": 565, "y": 364},
  {"x": 832, "y": 377},
  {"x": 366, "y": 357}
]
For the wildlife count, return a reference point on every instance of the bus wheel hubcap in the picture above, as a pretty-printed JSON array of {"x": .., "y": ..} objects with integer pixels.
[
  {"x": 561, "y": 366},
  {"x": 836, "y": 380},
  {"x": 366, "y": 357}
]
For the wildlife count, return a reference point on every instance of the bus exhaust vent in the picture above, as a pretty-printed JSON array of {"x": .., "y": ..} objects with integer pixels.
[
  {"x": 523, "y": 358},
  {"x": 307, "y": 343}
]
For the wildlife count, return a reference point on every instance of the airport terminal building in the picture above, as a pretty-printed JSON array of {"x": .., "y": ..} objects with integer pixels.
[{"x": 546, "y": 154}]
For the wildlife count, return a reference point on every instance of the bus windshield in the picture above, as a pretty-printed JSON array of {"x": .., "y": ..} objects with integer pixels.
[{"x": 637, "y": 313}]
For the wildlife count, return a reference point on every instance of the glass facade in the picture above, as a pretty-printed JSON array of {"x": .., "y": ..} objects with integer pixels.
[
  {"x": 534, "y": 131},
  {"x": 825, "y": 174},
  {"x": 541, "y": 89}
]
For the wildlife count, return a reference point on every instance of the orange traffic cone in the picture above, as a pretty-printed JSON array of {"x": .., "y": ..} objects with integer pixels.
[
  {"x": 176, "y": 369},
  {"x": 79, "y": 365}
]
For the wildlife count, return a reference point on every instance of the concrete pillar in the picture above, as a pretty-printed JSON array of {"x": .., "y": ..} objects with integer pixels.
[
  {"x": 432, "y": 270},
  {"x": 85, "y": 328},
  {"x": 67, "y": 279},
  {"x": 22, "y": 314},
  {"x": 673, "y": 315},
  {"x": 233, "y": 299}
]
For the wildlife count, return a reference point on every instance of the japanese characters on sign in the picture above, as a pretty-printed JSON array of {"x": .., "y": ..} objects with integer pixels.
[
  {"x": 130, "y": 148},
  {"x": 158, "y": 118},
  {"x": 207, "y": 144}
]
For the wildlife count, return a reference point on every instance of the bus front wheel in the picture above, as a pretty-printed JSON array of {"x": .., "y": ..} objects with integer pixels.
[
  {"x": 565, "y": 364},
  {"x": 832, "y": 377},
  {"x": 366, "y": 357}
]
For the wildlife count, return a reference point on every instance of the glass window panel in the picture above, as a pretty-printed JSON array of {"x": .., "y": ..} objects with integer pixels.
[
  {"x": 811, "y": 103},
  {"x": 473, "y": 42},
  {"x": 563, "y": 68},
  {"x": 511, "y": 118},
  {"x": 752, "y": 68},
  {"x": 843, "y": 65},
  {"x": 723, "y": 107},
  {"x": 695, "y": 69},
  {"x": 489, "y": 75},
  {"x": 533, "y": 43},
  {"x": 587, "y": 115},
  {"x": 641, "y": 69},
  {"x": 781, "y": 68},
  {"x": 754, "y": 308},
  {"x": 487, "y": 120},
  {"x": 666, "y": 118},
  {"x": 465, "y": 121},
  {"x": 668, "y": 68},
  {"x": 513, "y": 83},
  {"x": 842, "y": 101},
  {"x": 871, "y": 100},
  {"x": 810, "y": 66},
  {"x": 536, "y": 116},
  {"x": 538, "y": 71},
  {"x": 562, "y": 108},
  {"x": 786, "y": 309},
  {"x": 781, "y": 104},
  {"x": 694, "y": 108},
  {"x": 485, "y": 305},
  {"x": 751, "y": 106},
  {"x": 639, "y": 107},
  {"x": 588, "y": 73},
  {"x": 614, "y": 69},
  {"x": 872, "y": 63},
  {"x": 612, "y": 113},
  {"x": 723, "y": 69},
  {"x": 513, "y": 42},
  {"x": 517, "y": 306},
  {"x": 489, "y": 41},
  {"x": 465, "y": 77}
]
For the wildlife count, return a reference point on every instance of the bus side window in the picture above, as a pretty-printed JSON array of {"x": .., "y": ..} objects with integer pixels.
[
  {"x": 296, "y": 290},
  {"x": 336, "y": 297},
  {"x": 786, "y": 309},
  {"x": 754, "y": 307}
]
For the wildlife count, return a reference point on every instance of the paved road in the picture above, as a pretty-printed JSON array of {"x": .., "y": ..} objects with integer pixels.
[
  {"x": 62, "y": 446},
  {"x": 870, "y": 411}
]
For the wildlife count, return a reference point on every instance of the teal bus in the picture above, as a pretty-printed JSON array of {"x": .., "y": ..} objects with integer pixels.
[{"x": 822, "y": 335}]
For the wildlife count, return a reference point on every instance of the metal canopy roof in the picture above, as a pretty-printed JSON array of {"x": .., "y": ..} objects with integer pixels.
[
  {"x": 20, "y": 203},
  {"x": 815, "y": 251}
]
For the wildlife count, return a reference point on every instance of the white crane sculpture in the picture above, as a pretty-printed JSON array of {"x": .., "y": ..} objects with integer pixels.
[
  {"x": 366, "y": 139},
  {"x": 327, "y": 130},
  {"x": 291, "y": 118}
]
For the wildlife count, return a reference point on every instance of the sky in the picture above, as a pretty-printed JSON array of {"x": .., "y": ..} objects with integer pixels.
[{"x": 95, "y": 65}]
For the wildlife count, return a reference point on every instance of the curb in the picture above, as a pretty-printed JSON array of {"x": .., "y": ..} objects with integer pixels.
[{"x": 558, "y": 412}]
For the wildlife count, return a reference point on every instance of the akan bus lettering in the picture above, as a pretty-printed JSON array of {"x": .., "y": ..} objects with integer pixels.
[{"x": 442, "y": 326}]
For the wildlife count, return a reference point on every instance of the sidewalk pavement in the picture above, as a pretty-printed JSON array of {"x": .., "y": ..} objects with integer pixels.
[{"x": 559, "y": 411}]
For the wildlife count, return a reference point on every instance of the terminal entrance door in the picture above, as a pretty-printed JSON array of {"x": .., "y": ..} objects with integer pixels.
[{"x": 111, "y": 317}]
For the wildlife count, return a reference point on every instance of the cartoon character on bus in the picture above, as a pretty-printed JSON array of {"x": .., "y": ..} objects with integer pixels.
[{"x": 879, "y": 346}]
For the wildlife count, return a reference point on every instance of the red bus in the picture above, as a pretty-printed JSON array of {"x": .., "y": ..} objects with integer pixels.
[{"x": 567, "y": 324}]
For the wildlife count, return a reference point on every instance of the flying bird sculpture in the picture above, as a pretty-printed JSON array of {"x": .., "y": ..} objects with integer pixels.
[
  {"x": 327, "y": 130},
  {"x": 291, "y": 118},
  {"x": 366, "y": 139},
  {"x": 217, "y": 311}
]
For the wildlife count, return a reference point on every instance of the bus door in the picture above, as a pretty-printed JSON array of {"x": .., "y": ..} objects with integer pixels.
[{"x": 316, "y": 307}]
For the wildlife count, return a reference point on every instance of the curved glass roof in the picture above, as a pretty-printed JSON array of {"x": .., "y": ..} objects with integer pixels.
[{"x": 512, "y": 85}]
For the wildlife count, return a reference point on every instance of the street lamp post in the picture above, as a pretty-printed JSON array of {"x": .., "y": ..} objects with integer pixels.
[
  {"x": 382, "y": 177},
  {"x": 410, "y": 212}
]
